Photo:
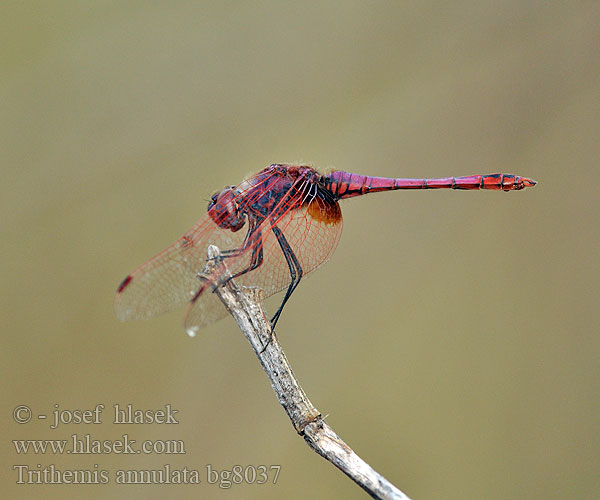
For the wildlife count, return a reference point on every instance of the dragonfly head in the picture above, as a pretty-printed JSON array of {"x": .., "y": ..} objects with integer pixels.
[{"x": 224, "y": 210}]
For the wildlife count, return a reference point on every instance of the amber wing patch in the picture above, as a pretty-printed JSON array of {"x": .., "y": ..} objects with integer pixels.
[{"x": 325, "y": 211}]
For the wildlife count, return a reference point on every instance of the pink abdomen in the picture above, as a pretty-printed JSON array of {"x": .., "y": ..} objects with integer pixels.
[{"x": 346, "y": 185}]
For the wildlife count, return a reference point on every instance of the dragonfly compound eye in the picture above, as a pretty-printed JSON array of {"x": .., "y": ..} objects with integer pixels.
[{"x": 224, "y": 210}]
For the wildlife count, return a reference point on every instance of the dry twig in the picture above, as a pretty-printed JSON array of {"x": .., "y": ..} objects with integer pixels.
[{"x": 244, "y": 306}]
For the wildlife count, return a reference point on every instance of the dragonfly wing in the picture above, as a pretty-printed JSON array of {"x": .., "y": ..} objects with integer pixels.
[
  {"x": 312, "y": 231},
  {"x": 169, "y": 280},
  {"x": 205, "y": 309}
]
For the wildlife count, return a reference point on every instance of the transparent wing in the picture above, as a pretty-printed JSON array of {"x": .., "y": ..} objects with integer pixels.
[
  {"x": 312, "y": 230},
  {"x": 169, "y": 280},
  {"x": 310, "y": 221}
]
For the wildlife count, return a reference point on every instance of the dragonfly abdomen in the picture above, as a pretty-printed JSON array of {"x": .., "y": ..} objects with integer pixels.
[{"x": 347, "y": 185}]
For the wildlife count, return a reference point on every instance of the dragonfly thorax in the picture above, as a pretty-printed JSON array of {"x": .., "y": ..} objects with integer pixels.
[{"x": 224, "y": 210}]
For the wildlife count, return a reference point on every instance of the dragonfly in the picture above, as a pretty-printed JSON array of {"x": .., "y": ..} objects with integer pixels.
[{"x": 272, "y": 229}]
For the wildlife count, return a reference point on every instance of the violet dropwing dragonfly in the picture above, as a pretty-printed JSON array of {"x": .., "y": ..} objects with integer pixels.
[{"x": 272, "y": 229}]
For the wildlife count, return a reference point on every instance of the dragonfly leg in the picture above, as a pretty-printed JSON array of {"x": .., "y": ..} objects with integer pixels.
[
  {"x": 295, "y": 271},
  {"x": 256, "y": 259},
  {"x": 232, "y": 253},
  {"x": 250, "y": 235}
]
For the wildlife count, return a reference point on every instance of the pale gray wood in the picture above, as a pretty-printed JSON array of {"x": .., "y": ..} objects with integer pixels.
[{"x": 245, "y": 307}]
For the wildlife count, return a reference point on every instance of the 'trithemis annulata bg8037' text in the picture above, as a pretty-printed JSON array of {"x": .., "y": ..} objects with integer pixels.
[{"x": 272, "y": 229}]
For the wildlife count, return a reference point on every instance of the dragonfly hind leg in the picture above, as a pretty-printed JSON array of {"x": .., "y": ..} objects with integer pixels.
[{"x": 295, "y": 271}]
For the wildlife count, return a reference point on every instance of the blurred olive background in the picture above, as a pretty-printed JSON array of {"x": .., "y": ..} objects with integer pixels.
[{"x": 453, "y": 338}]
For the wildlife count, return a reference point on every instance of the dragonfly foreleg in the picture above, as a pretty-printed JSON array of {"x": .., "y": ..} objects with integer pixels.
[
  {"x": 256, "y": 259},
  {"x": 234, "y": 252}
]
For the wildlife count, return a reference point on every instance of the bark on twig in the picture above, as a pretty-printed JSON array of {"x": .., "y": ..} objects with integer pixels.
[{"x": 245, "y": 307}]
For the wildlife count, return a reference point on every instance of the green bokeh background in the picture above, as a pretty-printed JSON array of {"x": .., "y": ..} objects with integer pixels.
[{"x": 452, "y": 339}]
